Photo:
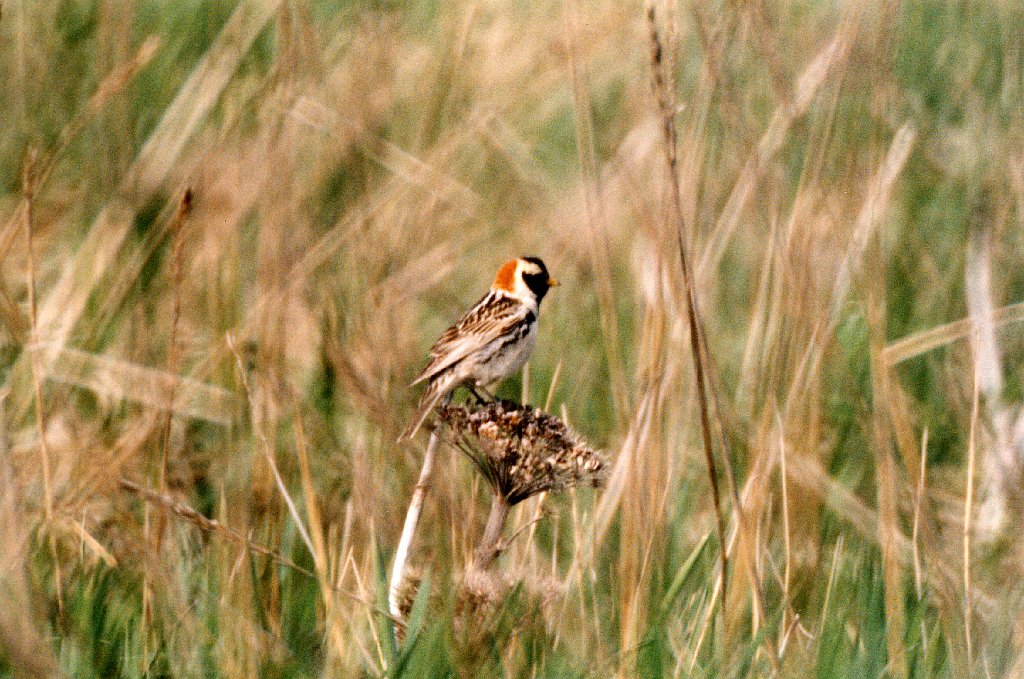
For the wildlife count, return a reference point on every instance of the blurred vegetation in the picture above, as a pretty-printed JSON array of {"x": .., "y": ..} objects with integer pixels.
[{"x": 852, "y": 184}]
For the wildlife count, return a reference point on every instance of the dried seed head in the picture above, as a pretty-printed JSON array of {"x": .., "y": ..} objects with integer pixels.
[
  {"x": 521, "y": 451},
  {"x": 407, "y": 592}
]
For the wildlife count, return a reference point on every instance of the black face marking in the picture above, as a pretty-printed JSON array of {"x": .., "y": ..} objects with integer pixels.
[{"x": 537, "y": 282}]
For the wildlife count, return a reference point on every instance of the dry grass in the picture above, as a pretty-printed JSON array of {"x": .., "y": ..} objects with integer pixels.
[{"x": 770, "y": 260}]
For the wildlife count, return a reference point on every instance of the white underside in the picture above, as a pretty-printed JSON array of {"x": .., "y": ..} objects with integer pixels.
[{"x": 487, "y": 367}]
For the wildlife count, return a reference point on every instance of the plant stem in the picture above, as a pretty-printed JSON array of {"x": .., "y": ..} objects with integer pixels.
[
  {"x": 173, "y": 353},
  {"x": 28, "y": 186},
  {"x": 968, "y": 515},
  {"x": 701, "y": 386},
  {"x": 490, "y": 544},
  {"x": 412, "y": 519}
]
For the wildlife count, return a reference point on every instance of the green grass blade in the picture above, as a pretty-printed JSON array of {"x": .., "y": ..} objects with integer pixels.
[{"x": 682, "y": 577}]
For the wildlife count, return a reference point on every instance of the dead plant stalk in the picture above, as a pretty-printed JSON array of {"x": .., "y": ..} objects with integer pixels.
[
  {"x": 173, "y": 352},
  {"x": 968, "y": 514},
  {"x": 28, "y": 186},
  {"x": 669, "y": 130},
  {"x": 412, "y": 519},
  {"x": 702, "y": 385}
]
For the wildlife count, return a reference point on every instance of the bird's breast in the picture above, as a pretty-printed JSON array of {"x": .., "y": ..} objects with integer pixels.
[{"x": 508, "y": 356}]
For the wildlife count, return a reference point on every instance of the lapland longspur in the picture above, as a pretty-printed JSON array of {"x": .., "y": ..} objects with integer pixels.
[{"x": 491, "y": 341}]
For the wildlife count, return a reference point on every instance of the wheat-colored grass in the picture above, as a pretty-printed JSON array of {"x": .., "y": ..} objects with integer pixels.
[{"x": 843, "y": 183}]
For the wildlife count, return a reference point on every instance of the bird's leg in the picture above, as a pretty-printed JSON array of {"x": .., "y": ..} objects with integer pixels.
[{"x": 481, "y": 394}]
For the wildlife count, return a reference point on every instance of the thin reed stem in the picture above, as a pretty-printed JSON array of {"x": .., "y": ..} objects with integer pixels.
[
  {"x": 173, "y": 354},
  {"x": 968, "y": 514},
  {"x": 702, "y": 381},
  {"x": 177, "y": 231},
  {"x": 28, "y": 186},
  {"x": 918, "y": 501},
  {"x": 785, "y": 515},
  {"x": 669, "y": 147}
]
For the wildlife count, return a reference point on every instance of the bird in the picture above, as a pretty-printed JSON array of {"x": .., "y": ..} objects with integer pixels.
[{"x": 490, "y": 342}]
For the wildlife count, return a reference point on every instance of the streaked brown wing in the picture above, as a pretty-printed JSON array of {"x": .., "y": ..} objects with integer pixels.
[{"x": 492, "y": 317}]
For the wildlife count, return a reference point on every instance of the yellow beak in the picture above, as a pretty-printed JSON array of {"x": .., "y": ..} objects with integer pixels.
[{"x": 553, "y": 283}]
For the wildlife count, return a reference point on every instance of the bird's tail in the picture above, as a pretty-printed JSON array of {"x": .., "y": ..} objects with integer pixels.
[{"x": 436, "y": 390}]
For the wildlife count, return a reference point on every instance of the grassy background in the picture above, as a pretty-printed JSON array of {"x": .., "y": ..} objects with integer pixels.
[{"x": 359, "y": 170}]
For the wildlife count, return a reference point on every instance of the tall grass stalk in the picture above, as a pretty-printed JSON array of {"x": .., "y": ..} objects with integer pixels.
[
  {"x": 667, "y": 112},
  {"x": 28, "y": 189},
  {"x": 969, "y": 520}
]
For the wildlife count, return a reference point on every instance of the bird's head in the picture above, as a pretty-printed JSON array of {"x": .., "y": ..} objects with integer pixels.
[{"x": 524, "y": 277}]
